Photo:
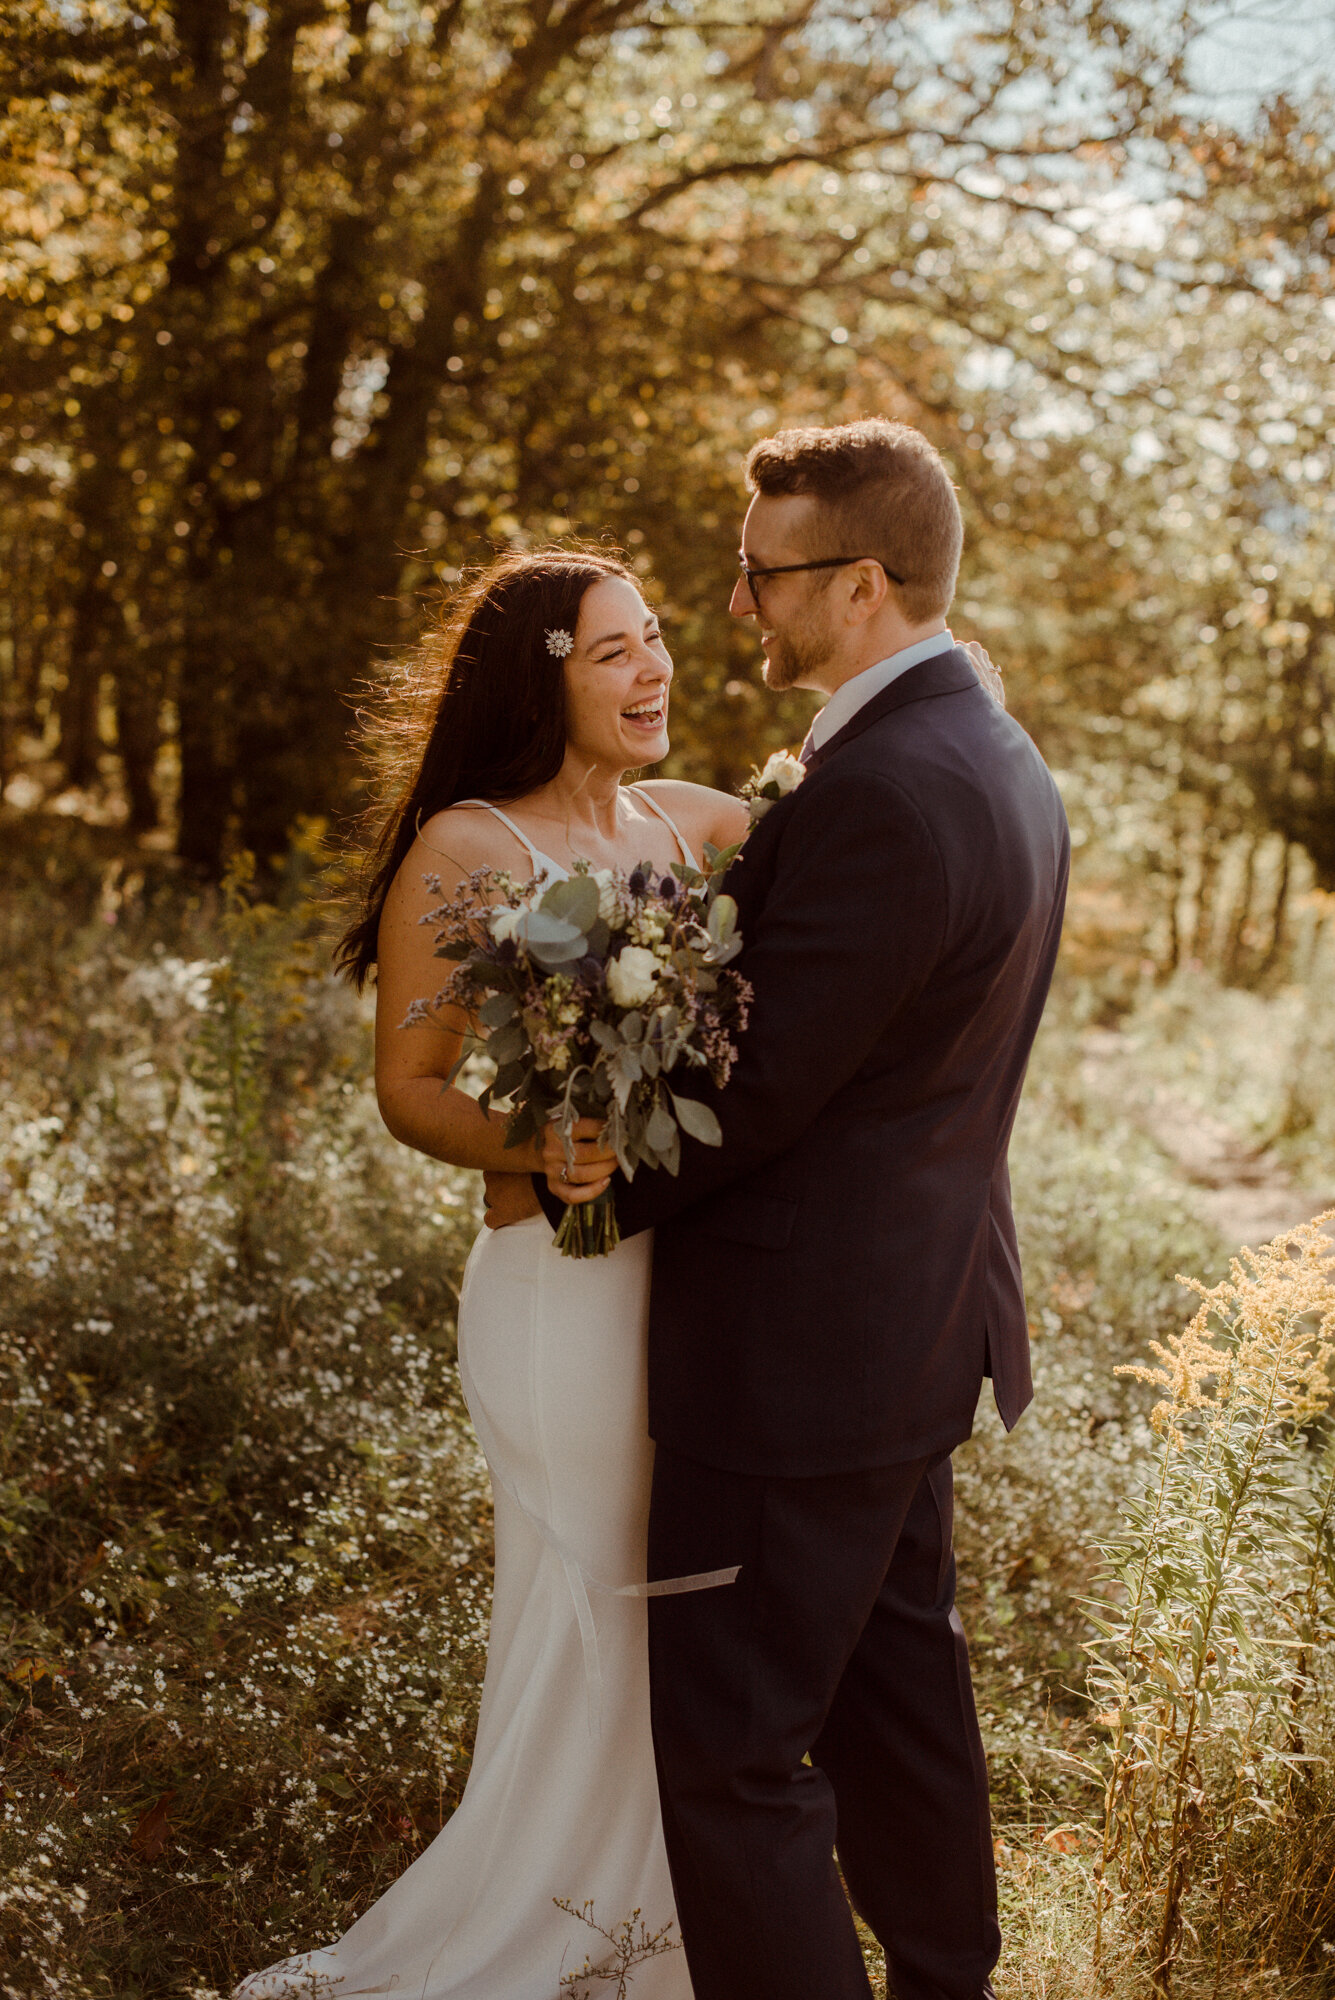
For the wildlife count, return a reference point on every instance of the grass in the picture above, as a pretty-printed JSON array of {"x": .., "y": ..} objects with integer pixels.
[{"x": 244, "y": 1530}]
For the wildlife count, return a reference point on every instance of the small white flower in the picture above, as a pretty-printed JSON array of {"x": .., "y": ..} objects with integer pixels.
[
  {"x": 783, "y": 770},
  {"x": 632, "y": 976},
  {"x": 559, "y": 643},
  {"x": 502, "y": 923}
]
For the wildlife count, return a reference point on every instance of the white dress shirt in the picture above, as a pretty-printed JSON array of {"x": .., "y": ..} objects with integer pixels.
[{"x": 845, "y": 702}]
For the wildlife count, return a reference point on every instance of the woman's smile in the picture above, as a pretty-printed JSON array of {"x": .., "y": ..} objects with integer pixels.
[{"x": 648, "y": 716}]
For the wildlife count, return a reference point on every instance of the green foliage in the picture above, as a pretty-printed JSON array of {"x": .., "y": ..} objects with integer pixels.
[
  {"x": 300, "y": 316},
  {"x": 244, "y": 1553},
  {"x": 243, "y": 1524},
  {"x": 1217, "y": 1610}
]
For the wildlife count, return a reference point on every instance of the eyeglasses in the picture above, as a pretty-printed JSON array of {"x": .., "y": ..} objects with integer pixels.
[{"x": 753, "y": 576}]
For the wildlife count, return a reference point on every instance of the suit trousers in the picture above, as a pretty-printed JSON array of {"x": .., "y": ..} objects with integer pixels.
[{"x": 821, "y": 1703}]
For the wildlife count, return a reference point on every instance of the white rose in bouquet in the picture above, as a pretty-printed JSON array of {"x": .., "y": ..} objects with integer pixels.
[
  {"x": 502, "y": 922},
  {"x": 632, "y": 976}
]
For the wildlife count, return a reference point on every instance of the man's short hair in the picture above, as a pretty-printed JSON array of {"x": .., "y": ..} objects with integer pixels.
[{"x": 883, "y": 491}]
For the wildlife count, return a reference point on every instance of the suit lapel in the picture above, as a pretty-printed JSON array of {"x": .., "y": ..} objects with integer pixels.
[{"x": 944, "y": 673}]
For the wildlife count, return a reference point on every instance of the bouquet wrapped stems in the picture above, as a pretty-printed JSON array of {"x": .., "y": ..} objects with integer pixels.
[{"x": 589, "y": 1228}]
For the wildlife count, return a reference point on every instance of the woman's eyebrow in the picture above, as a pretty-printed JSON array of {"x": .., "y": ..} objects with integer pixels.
[{"x": 606, "y": 639}]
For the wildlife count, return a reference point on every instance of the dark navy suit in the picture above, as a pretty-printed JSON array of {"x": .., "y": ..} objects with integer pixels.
[{"x": 830, "y": 1287}]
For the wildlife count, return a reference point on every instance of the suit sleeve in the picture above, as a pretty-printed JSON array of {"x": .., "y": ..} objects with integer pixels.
[{"x": 849, "y": 934}]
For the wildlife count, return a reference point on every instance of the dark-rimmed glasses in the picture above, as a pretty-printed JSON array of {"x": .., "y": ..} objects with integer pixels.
[{"x": 753, "y": 576}]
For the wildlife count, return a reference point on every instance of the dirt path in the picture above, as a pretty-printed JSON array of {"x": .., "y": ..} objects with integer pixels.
[{"x": 1248, "y": 1196}]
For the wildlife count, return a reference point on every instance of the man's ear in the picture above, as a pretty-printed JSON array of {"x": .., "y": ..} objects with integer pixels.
[{"x": 869, "y": 592}]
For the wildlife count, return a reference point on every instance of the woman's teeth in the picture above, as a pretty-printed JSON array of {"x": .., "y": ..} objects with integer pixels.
[{"x": 645, "y": 711}]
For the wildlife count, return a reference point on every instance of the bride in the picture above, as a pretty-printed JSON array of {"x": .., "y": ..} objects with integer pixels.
[{"x": 553, "y": 685}]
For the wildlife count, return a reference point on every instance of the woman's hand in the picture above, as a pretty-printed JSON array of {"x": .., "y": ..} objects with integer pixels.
[{"x": 593, "y": 1164}]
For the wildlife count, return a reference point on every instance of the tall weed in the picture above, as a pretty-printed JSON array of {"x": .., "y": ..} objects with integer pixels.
[{"x": 1217, "y": 1608}]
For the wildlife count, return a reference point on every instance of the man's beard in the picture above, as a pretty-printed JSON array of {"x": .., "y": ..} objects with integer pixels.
[{"x": 794, "y": 655}]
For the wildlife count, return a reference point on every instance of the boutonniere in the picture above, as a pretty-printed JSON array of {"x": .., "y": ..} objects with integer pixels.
[{"x": 783, "y": 773}]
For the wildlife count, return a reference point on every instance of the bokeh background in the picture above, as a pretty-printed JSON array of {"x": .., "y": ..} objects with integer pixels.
[{"x": 304, "y": 308}]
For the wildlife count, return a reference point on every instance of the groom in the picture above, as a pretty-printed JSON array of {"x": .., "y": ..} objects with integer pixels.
[{"x": 831, "y": 1285}]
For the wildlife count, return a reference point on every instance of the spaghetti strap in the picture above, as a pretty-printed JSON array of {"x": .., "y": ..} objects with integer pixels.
[
  {"x": 541, "y": 862},
  {"x": 668, "y": 821}
]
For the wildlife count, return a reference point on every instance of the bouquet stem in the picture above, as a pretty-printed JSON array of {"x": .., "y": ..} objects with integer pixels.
[{"x": 589, "y": 1228}]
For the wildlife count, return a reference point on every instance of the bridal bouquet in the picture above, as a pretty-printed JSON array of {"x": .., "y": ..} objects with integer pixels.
[{"x": 592, "y": 994}]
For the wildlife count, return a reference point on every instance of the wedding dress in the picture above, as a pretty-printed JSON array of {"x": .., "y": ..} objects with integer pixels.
[{"x": 561, "y": 1802}]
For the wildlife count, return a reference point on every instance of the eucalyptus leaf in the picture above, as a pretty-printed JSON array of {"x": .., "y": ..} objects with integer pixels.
[
  {"x": 497, "y": 1009},
  {"x": 575, "y": 900},
  {"x": 552, "y": 956},
  {"x": 661, "y": 1129},
  {"x": 507, "y": 1044},
  {"x": 722, "y": 919},
  {"x": 697, "y": 1120},
  {"x": 523, "y": 1125},
  {"x": 541, "y": 927}
]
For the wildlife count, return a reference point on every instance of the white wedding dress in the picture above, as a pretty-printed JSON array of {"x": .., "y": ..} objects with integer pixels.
[{"x": 561, "y": 1802}]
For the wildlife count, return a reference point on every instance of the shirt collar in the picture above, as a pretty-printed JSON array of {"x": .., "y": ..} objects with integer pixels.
[{"x": 845, "y": 702}]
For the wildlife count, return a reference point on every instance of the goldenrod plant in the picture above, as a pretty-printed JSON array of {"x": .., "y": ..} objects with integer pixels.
[{"x": 1217, "y": 1598}]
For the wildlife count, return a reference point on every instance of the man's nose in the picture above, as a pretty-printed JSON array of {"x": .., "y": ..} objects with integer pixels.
[{"x": 741, "y": 604}]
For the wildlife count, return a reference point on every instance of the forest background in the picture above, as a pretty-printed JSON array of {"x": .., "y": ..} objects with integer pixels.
[{"x": 306, "y": 307}]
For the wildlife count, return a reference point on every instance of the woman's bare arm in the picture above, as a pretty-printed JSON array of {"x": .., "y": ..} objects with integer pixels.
[
  {"x": 703, "y": 814},
  {"x": 411, "y": 1064}
]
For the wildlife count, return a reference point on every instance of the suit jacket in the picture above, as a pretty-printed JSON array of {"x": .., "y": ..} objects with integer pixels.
[{"x": 831, "y": 1284}]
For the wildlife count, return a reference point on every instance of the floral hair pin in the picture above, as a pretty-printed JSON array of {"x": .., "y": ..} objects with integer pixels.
[{"x": 560, "y": 643}]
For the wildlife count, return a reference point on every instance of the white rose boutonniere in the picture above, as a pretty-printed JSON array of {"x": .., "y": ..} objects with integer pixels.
[
  {"x": 632, "y": 976},
  {"x": 782, "y": 773}
]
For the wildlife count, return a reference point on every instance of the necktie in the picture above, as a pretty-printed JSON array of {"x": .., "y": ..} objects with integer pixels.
[{"x": 808, "y": 750}]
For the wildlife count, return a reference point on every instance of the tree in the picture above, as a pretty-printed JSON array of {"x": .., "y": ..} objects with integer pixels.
[{"x": 310, "y": 302}]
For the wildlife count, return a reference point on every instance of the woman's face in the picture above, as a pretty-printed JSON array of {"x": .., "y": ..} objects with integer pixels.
[{"x": 617, "y": 678}]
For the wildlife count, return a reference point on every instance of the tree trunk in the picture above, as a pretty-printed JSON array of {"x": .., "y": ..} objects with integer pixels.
[
  {"x": 1242, "y": 908},
  {"x": 138, "y": 688},
  {"x": 1202, "y": 930},
  {"x": 80, "y": 697},
  {"x": 1176, "y": 877},
  {"x": 1279, "y": 910},
  {"x": 207, "y": 794}
]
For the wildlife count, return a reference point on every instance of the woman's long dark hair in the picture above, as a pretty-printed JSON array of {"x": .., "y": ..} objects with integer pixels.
[{"x": 479, "y": 714}]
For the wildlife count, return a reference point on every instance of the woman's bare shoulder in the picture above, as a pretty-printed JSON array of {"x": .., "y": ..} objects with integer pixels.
[
  {"x": 702, "y": 812},
  {"x": 450, "y": 846}
]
